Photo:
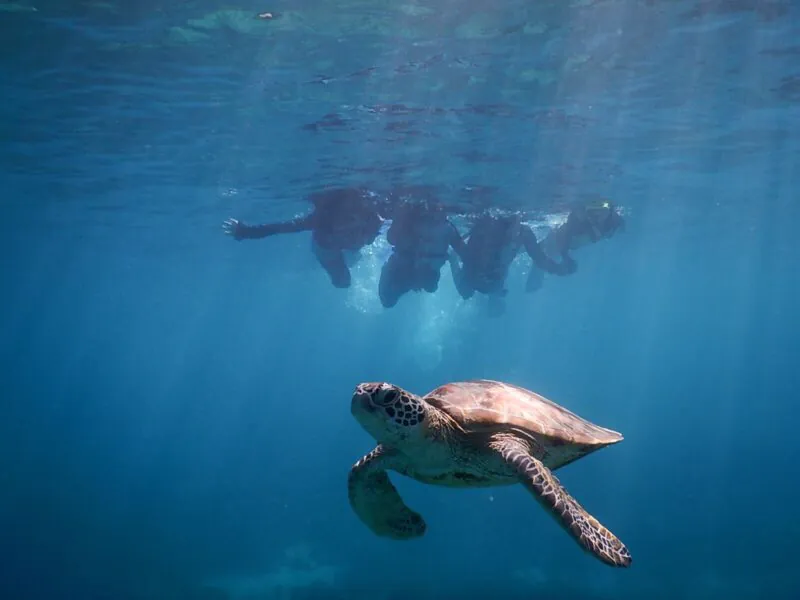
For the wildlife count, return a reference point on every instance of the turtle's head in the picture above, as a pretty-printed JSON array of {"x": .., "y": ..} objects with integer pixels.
[{"x": 388, "y": 413}]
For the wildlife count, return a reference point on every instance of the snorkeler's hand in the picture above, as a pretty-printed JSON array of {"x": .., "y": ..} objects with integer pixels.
[{"x": 233, "y": 228}]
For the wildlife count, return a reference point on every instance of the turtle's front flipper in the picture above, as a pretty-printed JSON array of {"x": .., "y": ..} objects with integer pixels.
[
  {"x": 376, "y": 501},
  {"x": 546, "y": 488}
]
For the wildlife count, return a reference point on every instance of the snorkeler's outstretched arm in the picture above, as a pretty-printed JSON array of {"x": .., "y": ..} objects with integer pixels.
[
  {"x": 567, "y": 266},
  {"x": 240, "y": 231}
]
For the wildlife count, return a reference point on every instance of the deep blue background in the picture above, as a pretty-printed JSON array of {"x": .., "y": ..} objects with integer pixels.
[{"x": 175, "y": 406}]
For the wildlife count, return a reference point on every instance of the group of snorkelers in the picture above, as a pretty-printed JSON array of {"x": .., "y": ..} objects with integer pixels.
[{"x": 423, "y": 239}]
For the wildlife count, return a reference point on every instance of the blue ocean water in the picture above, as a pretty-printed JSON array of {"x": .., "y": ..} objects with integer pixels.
[{"x": 176, "y": 406}]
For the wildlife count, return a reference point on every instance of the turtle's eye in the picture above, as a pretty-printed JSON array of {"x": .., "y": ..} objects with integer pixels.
[{"x": 386, "y": 397}]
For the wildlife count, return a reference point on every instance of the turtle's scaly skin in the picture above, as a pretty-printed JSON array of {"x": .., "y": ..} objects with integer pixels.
[
  {"x": 474, "y": 434},
  {"x": 554, "y": 498},
  {"x": 377, "y": 501}
]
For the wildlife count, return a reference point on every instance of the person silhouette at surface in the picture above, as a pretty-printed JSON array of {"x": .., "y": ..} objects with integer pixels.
[
  {"x": 492, "y": 245},
  {"x": 420, "y": 235},
  {"x": 585, "y": 225},
  {"x": 343, "y": 221}
]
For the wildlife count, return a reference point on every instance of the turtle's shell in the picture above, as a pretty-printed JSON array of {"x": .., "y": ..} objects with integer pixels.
[{"x": 493, "y": 406}]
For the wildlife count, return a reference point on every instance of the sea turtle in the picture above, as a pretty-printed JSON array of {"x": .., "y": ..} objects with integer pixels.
[{"x": 477, "y": 433}]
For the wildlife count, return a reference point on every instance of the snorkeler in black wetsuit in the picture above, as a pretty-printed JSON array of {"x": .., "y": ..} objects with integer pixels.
[
  {"x": 585, "y": 225},
  {"x": 420, "y": 235},
  {"x": 491, "y": 247},
  {"x": 343, "y": 220}
]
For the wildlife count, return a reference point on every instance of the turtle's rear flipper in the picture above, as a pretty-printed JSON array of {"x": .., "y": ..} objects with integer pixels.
[
  {"x": 376, "y": 501},
  {"x": 583, "y": 527}
]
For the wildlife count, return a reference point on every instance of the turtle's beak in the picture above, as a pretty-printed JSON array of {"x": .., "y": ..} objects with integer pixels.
[
  {"x": 368, "y": 414},
  {"x": 361, "y": 402}
]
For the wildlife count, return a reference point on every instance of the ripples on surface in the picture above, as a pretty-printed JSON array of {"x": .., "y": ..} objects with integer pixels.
[
  {"x": 133, "y": 129},
  {"x": 525, "y": 106}
]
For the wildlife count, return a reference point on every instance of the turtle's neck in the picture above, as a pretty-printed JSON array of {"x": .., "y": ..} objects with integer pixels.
[{"x": 441, "y": 426}]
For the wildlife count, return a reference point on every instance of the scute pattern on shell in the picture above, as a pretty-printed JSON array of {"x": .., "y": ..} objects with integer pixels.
[{"x": 492, "y": 405}]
